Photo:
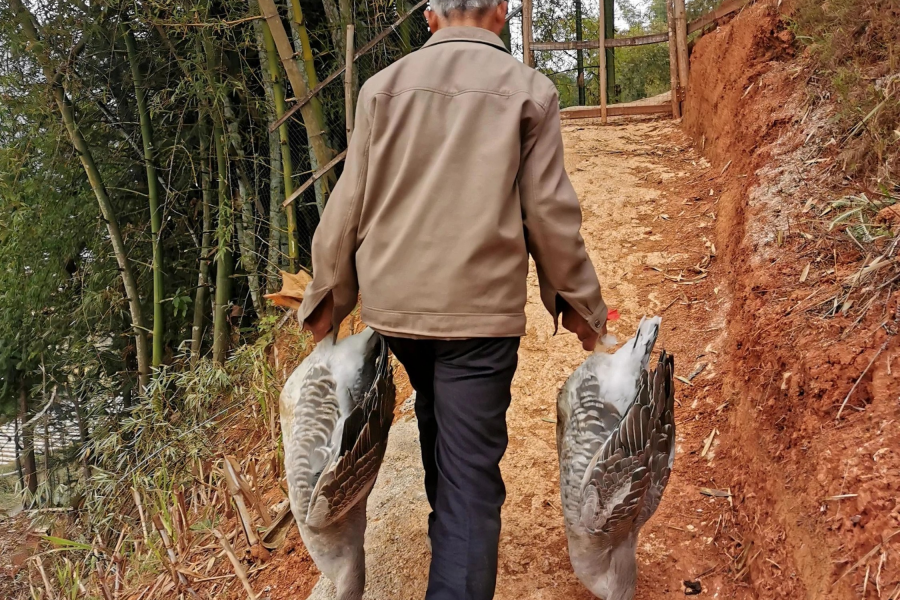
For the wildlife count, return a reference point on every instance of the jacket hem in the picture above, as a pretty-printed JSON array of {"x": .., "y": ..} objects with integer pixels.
[{"x": 443, "y": 326}]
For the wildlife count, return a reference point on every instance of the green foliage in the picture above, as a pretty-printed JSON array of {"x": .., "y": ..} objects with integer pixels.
[
  {"x": 640, "y": 71},
  {"x": 65, "y": 320}
]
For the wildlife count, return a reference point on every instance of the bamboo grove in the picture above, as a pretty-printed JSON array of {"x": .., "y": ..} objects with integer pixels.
[{"x": 143, "y": 186}]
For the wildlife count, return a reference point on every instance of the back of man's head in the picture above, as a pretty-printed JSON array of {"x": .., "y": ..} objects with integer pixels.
[{"x": 446, "y": 8}]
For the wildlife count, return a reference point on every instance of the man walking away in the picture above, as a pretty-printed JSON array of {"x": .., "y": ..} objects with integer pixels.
[{"x": 454, "y": 175}]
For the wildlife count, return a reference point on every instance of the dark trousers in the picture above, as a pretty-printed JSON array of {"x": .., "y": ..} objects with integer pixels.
[{"x": 462, "y": 394}]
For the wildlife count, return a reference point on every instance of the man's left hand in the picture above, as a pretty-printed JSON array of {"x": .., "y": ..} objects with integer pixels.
[
  {"x": 577, "y": 324},
  {"x": 319, "y": 322}
]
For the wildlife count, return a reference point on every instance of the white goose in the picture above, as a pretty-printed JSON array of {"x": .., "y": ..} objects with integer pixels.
[
  {"x": 615, "y": 436},
  {"x": 336, "y": 410}
]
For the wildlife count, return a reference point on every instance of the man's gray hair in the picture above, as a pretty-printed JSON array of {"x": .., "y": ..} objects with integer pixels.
[{"x": 445, "y": 7}]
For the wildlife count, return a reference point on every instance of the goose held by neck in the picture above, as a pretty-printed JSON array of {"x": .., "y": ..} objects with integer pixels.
[
  {"x": 336, "y": 411},
  {"x": 615, "y": 436}
]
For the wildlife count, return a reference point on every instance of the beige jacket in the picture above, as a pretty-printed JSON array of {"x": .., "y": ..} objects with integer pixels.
[{"x": 453, "y": 176}]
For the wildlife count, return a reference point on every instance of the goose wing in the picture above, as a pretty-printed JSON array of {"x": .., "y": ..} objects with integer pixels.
[
  {"x": 584, "y": 421},
  {"x": 310, "y": 413},
  {"x": 617, "y": 479},
  {"x": 662, "y": 451},
  {"x": 363, "y": 440}
]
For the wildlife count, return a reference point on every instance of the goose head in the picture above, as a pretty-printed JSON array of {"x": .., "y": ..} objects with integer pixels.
[{"x": 611, "y": 574}]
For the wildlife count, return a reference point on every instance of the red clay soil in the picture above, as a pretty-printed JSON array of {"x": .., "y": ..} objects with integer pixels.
[{"x": 817, "y": 494}]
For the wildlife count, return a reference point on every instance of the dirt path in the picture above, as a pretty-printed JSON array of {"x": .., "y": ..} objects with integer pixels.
[{"x": 649, "y": 216}]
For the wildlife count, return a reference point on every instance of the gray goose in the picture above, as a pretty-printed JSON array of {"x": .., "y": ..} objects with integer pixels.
[
  {"x": 615, "y": 436},
  {"x": 336, "y": 410}
]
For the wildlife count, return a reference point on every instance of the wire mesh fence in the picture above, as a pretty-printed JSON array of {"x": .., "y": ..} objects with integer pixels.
[{"x": 555, "y": 21}]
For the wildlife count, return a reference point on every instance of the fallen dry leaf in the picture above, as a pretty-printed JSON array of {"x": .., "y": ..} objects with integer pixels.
[{"x": 292, "y": 289}]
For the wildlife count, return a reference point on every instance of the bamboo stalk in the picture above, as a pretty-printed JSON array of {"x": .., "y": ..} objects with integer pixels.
[
  {"x": 238, "y": 568},
  {"x": 200, "y": 298},
  {"x": 234, "y": 489},
  {"x": 221, "y": 329},
  {"x": 284, "y": 143},
  {"x": 249, "y": 492},
  {"x": 276, "y": 176},
  {"x": 44, "y": 578},
  {"x": 301, "y": 102},
  {"x": 153, "y": 195},
  {"x": 184, "y": 538},
  {"x": 178, "y": 577},
  {"x": 246, "y": 225},
  {"x": 140, "y": 507},
  {"x": 405, "y": 38},
  {"x": 311, "y": 79},
  {"x": 673, "y": 61},
  {"x": 601, "y": 57},
  {"x": 315, "y": 126},
  {"x": 29, "y": 463},
  {"x": 348, "y": 84},
  {"x": 101, "y": 579}
]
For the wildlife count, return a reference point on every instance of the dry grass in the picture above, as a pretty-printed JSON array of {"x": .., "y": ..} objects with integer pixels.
[
  {"x": 157, "y": 493},
  {"x": 855, "y": 46},
  {"x": 854, "y": 51}
]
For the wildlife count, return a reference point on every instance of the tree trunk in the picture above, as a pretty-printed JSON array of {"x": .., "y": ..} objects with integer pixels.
[
  {"x": 153, "y": 195},
  {"x": 29, "y": 465},
  {"x": 276, "y": 178},
  {"x": 221, "y": 325},
  {"x": 200, "y": 298},
  {"x": 93, "y": 174},
  {"x": 283, "y": 142}
]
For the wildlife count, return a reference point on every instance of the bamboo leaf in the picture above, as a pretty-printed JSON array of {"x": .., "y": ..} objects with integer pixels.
[{"x": 64, "y": 543}]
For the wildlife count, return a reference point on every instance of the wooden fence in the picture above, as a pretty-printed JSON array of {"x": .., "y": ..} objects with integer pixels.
[
  {"x": 677, "y": 35},
  {"x": 679, "y": 66}
]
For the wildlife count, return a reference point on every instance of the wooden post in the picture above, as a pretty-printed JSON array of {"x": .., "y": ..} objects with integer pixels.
[
  {"x": 348, "y": 83},
  {"x": 673, "y": 62},
  {"x": 579, "y": 54},
  {"x": 609, "y": 7},
  {"x": 601, "y": 57},
  {"x": 681, "y": 44},
  {"x": 527, "y": 54}
]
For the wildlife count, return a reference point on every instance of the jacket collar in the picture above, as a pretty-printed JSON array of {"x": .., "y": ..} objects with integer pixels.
[{"x": 465, "y": 34}]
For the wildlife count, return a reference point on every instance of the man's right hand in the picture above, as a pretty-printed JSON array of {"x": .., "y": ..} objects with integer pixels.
[
  {"x": 319, "y": 321},
  {"x": 577, "y": 324}
]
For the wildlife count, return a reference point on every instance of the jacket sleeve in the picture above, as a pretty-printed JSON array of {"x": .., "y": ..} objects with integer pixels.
[
  {"x": 335, "y": 241},
  {"x": 552, "y": 219}
]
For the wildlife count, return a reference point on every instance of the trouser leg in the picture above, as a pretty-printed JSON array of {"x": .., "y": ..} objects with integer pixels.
[
  {"x": 417, "y": 357},
  {"x": 472, "y": 381}
]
